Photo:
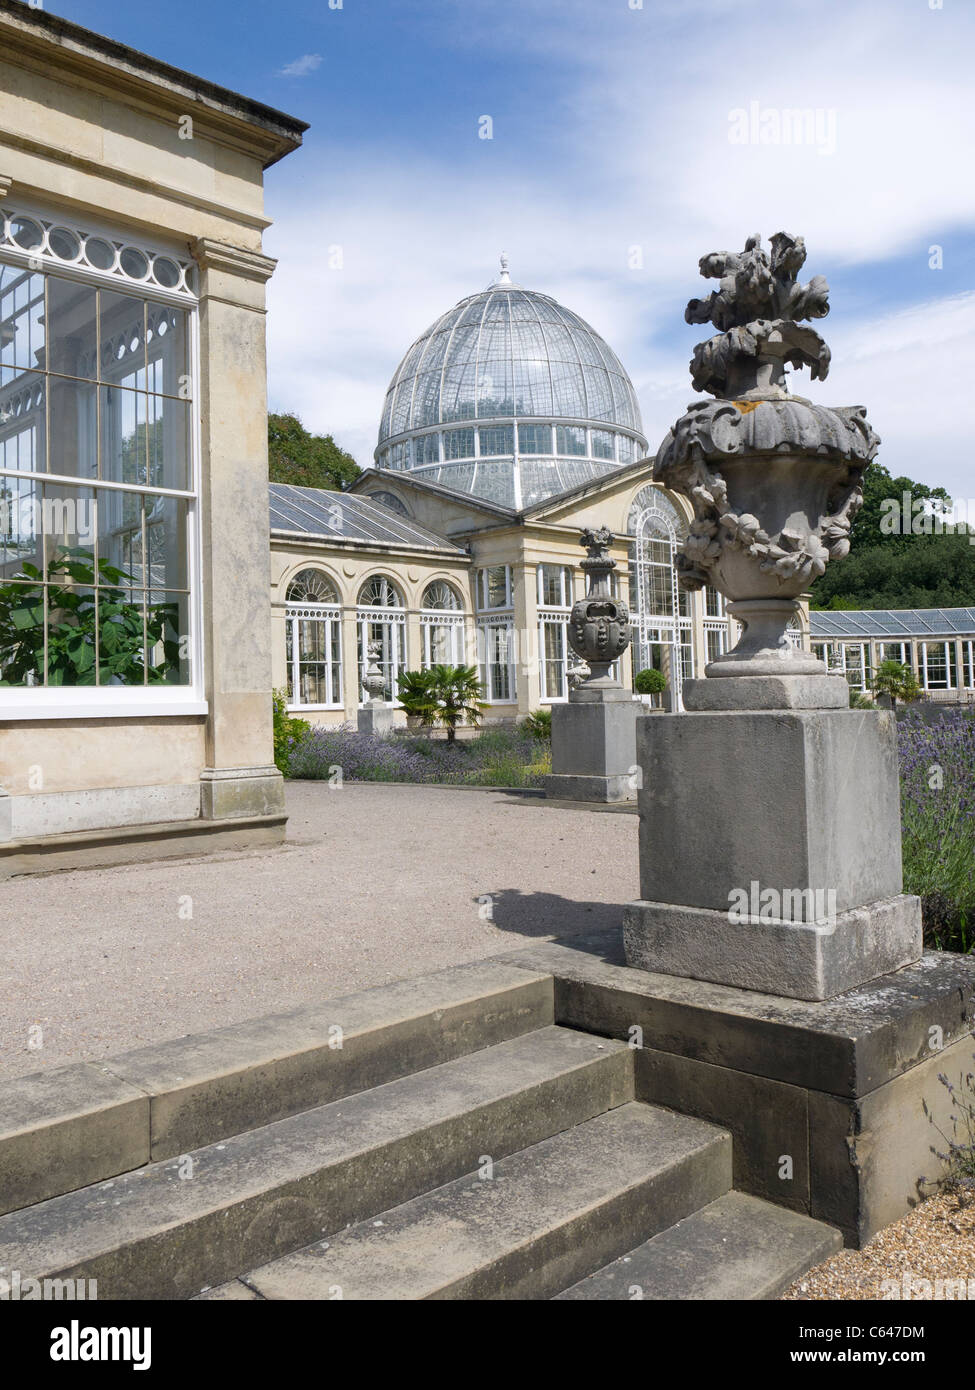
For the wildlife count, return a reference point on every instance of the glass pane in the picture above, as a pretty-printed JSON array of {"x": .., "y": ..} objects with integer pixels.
[
  {"x": 123, "y": 435},
  {"x": 72, "y": 625},
  {"x": 168, "y": 431},
  {"x": 570, "y": 439},
  {"x": 21, "y": 317},
  {"x": 168, "y": 627},
  {"x": 22, "y": 420},
  {"x": 535, "y": 439},
  {"x": 497, "y": 586},
  {"x": 166, "y": 539},
  {"x": 73, "y": 434},
  {"x": 21, "y": 633},
  {"x": 123, "y": 346},
  {"x": 19, "y": 525},
  {"x": 71, "y": 318},
  {"x": 166, "y": 340},
  {"x": 67, "y": 521}
]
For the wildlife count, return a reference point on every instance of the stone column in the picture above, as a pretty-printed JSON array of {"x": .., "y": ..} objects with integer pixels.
[
  {"x": 240, "y": 778},
  {"x": 528, "y": 657}
]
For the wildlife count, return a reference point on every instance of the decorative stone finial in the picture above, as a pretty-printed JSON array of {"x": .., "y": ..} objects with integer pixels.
[
  {"x": 599, "y": 625},
  {"x": 373, "y": 682},
  {"x": 756, "y": 308},
  {"x": 775, "y": 480},
  {"x": 504, "y": 278}
]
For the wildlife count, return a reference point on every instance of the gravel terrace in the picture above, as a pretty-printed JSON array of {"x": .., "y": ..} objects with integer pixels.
[{"x": 376, "y": 882}]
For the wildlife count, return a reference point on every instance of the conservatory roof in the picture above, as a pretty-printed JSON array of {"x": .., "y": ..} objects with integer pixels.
[
  {"x": 341, "y": 516},
  {"x": 892, "y": 623}
]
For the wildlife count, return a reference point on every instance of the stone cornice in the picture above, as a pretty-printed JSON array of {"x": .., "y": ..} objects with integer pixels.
[
  {"x": 232, "y": 260},
  {"x": 6, "y": 183}
]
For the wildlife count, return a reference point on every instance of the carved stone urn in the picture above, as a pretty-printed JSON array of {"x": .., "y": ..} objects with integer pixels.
[
  {"x": 374, "y": 682},
  {"x": 599, "y": 625},
  {"x": 775, "y": 480}
]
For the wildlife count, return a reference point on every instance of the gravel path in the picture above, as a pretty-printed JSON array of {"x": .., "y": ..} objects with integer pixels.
[
  {"x": 375, "y": 883},
  {"x": 935, "y": 1241}
]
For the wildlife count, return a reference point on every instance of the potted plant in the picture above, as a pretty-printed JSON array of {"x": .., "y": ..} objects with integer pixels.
[
  {"x": 455, "y": 692},
  {"x": 650, "y": 681},
  {"x": 415, "y": 696}
]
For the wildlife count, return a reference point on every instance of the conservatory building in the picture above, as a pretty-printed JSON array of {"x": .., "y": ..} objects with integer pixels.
[{"x": 508, "y": 427}]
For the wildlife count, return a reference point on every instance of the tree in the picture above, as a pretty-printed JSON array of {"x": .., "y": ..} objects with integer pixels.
[
  {"x": 898, "y": 681},
  {"x": 306, "y": 460},
  {"x": 455, "y": 693},
  {"x": 913, "y": 567}
]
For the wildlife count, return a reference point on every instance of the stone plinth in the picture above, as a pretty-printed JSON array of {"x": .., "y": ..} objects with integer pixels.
[
  {"x": 375, "y": 718},
  {"x": 770, "y": 850},
  {"x": 594, "y": 746}
]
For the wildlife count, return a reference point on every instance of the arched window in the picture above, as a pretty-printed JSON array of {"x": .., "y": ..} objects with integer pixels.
[
  {"x": 390, "y": 500},
  {"x": 380, "y": 592},
  {"x": 314, "y": 641},
  {"x": 442, "y": 625},
  {"x": 382, "y": 619},
  {"x": 661, "y": 610},
  {"x": 311, "y": 586}
]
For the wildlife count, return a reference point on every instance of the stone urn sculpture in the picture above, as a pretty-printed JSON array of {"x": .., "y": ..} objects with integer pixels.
[
  {"x": 599, "y": 625},
  {"x": 775, "y": 480},
  {"x": 374, "y": 682}
]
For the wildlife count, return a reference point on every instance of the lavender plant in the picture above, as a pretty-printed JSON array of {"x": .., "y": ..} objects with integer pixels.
[{"x": 937, "y": 764}]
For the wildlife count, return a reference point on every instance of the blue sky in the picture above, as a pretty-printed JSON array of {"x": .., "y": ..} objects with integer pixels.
[{"x": 613, "y": 129}]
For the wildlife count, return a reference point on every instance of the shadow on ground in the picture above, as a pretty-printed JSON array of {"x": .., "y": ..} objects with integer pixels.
[{"x": 549, "y": 915}]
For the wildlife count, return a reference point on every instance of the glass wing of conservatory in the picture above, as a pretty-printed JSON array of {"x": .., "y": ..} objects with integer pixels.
[{"x": 889, "y": 623}]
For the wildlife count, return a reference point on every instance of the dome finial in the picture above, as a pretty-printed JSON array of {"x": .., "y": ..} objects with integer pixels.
[{"x": 504, "y": 278}]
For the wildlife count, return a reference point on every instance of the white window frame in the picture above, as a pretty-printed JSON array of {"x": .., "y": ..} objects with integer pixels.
[
  {"x": 481, "y": 590},
  {"x": 485, "y": 626},
  {"x": 134, "y": 702},
  {"x": 327, "y": 614}
]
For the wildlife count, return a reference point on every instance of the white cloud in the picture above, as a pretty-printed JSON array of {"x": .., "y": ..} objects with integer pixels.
[{"x": 303, "y": 66}]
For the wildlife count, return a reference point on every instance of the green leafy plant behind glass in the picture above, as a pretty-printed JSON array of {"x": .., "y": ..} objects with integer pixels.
[{"x": 89, "y": 605}]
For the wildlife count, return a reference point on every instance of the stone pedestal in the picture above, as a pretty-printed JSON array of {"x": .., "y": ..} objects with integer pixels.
[
  {"x": 770, "y": 849},
  {"x": 594, "y": 746},
  {"x": 375, "y": 718}
]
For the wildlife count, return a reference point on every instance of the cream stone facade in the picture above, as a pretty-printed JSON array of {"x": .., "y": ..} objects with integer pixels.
[{"x": 133, "y": 448}]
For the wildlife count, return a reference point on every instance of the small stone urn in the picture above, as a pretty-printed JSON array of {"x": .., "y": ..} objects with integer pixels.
[
  {"x": 599, "y": 625},
  {"x": 374, "y": 682},
  {"x": 775, "y": 480}
]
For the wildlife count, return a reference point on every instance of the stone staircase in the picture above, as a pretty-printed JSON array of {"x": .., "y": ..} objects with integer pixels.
[{"x": 436, "y": 1138}]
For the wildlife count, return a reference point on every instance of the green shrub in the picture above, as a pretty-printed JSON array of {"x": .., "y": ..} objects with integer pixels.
[
  {"x": 289, "y": 732},
  {"x": 858, "y": 700},
  {"x": 538, "y": 724},
  {"x": 649, "y": 681}
]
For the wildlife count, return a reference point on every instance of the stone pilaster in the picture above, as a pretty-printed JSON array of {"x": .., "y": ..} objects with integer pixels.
[{"x": 240, "y": 779}]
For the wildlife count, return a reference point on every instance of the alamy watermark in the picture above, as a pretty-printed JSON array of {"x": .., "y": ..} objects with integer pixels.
[
  {"x": 758, "y": 904},
  {"x": 812, "y": 126},
  {"x": 927, "y": 516}
]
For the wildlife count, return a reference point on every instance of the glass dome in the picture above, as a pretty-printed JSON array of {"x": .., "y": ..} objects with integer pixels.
[{"x": 511, "y": 397}]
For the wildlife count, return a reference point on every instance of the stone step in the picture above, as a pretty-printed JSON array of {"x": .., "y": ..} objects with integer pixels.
[
  {"x": 174, "y": 1227},
  {"x": 546, "y": 1216},
  {"x": 738, "y": 1247},
  {"x": 67, "y": 1127}
]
